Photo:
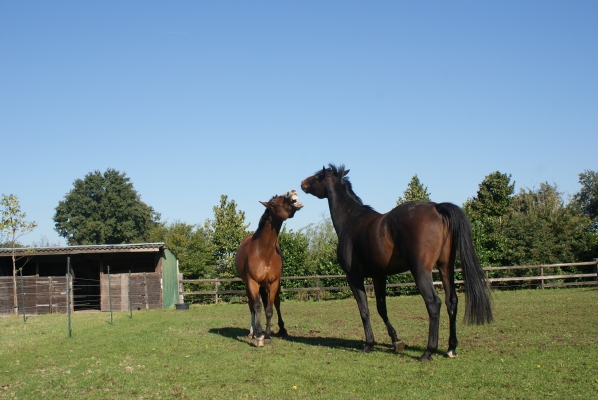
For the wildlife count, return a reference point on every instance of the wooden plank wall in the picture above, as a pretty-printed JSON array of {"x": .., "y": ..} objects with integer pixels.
[
  {"x": 146, "y": 291},
  {"x": 43, "y": 295},
  {"x": 6, "y": 295}
]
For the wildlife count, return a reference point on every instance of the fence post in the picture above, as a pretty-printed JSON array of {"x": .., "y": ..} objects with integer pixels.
[
  {"x": 130, "y": 304},
  {"x": 110, "y": 295},
  {"x": 68, "y": 294},
  {"x": 596, "y": 269},
  {"x": 542, "y": 275},
  {"x": 216, "y": 287},
  {"x": 23, "y": 296},
  {"x": 318, "y": 287}
]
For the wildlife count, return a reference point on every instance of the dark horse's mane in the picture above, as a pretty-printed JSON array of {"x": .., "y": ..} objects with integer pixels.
[
  {"x": 344, "y": 181},
  {"x": 265, "y": 214}
]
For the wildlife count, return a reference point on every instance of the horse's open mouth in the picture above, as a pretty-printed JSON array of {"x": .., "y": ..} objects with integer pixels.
[
  {"x": 296, "y": 204},
  {"x": 293, "y": 196}
]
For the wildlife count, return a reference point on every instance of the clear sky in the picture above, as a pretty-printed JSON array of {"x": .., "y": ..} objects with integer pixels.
[{"x": 197, "y": 99}]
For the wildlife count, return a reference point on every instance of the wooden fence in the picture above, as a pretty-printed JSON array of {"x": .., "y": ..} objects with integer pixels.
[{"x": 545, "y": 279}]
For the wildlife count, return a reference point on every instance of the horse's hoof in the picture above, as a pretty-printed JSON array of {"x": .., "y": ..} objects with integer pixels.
[
  {"x": 367, "y": 348},
  {"x": 282, "y": 333},
  {"x": 399, "y": 346},
  {"x": 426, "y": 357},
  {"x": 451, "y": 354},
  {"x": 258, "y": 342},
  {"x": 267, "y": 341}
]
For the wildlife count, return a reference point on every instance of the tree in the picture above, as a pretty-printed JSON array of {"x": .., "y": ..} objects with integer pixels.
[
  {"x": 587, "y": 198},
  {"x": 415, "y": 191},
  {"x": 13, "y": 226},
  {"x": 190, "y": 244},
  {"x": 294, "y": 248},
  {"x": 543, "y": 230},
  {"x": 226, "y": 231},
  {"x": 486, "y": 213},
  {"x": 104, "y": 209}
]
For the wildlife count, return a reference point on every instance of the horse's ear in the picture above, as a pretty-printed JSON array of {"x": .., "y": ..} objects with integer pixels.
[
  {"x": 346, "y": 172},
  {"x": 264, "y": 203},
  {"x": 323, "y": 170}
]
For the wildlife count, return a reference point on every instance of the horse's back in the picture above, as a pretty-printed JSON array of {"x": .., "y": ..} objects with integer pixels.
[{"x": 418, "y": 235}]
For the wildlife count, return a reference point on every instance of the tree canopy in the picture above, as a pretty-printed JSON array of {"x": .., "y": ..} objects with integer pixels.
[
  {"x": 415, "y": 191},
  {"x": 487, "y": 212},
  {"x": 190, "y": 244},
  {"x": 104, "y": 209},
  {"x": 587, "y": 198},
  {"x": 226, "y": 231}
]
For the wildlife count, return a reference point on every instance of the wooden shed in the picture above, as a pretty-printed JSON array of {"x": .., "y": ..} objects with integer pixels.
[{"x": 140, "y": 276}]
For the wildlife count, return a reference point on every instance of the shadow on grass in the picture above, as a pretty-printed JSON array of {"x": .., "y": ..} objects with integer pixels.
[{"x": 240, "y": 335}]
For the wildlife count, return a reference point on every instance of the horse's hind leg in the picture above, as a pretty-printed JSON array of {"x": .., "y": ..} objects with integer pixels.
[
  {"x": 447, "y": 274},
  {"x": 282, "y": 332},
  {"x": 380, "y": 291},
  {"x": 252, "y": 322},
  {"x": 425, "y": 285},
  {"x": 265, "y": 295}
]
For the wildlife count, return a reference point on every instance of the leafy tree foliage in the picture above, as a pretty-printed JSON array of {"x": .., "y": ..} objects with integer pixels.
[
  {"x": 190, "y": 244},
  {"x": 322, "y": 254},
  {"x": 104, "y": 209},
  {"x": 587, "y": 198},
  {"x": 294, "y": 245},
  {"x": 294, "y": 248},
  {"x": 226, "y": 231},
  {"x": 543, "y": 230},
  {"x": 415, "y": 191},
  {"x": 487, "y": 212}
]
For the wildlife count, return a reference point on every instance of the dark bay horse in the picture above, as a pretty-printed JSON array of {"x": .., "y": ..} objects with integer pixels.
[
  {"x": 259, "y": 264},
  {"x": 412, "y": 237}
]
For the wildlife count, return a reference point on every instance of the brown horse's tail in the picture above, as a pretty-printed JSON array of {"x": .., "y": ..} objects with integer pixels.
[{"x": 478, "y": 307}]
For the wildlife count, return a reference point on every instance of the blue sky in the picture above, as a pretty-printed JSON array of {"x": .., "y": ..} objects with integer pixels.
[{"x": 197, "y": 99}]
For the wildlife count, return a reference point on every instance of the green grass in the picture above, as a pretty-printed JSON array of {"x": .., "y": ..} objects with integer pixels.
[{"x": 542, "y": 345}]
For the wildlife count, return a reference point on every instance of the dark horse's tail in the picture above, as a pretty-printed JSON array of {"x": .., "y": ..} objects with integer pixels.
[{"x": 478, "y": 307}]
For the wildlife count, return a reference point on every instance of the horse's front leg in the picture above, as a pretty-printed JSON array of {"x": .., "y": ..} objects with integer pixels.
[
  {"x": 269, "y": 307},
  {"x": 357, "y": 287},
  {"x": 267, "y": 303},
  {"x": 253, "y": 295},
  {"x": 380, "y": 291}
]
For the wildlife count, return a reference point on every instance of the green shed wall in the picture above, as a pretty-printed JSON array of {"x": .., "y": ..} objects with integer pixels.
[{"x": 170, "y": 279}]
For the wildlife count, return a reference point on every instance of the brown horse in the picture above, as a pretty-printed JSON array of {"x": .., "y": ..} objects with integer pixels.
[
  {"x": 259, "y": 264},
  {"x": 414, "y": 237}
]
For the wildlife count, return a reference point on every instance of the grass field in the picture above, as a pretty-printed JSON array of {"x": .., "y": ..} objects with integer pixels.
[{"x": 542, "y": 345}]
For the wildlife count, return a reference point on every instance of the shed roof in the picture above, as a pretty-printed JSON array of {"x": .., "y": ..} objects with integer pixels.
[{"x": 94, "y": 248}]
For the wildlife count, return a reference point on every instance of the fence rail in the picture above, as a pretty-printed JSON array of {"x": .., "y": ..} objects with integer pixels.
[{"x": 583, "y": 279}]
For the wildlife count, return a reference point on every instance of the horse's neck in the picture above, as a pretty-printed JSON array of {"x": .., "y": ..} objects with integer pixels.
[
  {"x": 267, "y": 234},
  {"x": 342, "y": 208}
]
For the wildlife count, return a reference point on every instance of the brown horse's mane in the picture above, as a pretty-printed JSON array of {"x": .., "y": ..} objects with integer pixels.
[
  {"x": 265, "y": 214},
  {"x": 344, "y": 182}
]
